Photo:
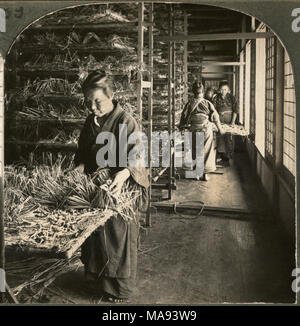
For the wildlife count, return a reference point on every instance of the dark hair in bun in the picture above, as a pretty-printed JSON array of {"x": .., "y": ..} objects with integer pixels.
[
  {"x": 224, "y": 83},
  {"x": 99, "y": 79}
]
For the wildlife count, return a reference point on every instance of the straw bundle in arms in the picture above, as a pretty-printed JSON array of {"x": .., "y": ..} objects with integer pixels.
[
  {"x": 46, "y": 209},
  {"x": 50, "y": 213},
  {"x": 237, "y": 130}
]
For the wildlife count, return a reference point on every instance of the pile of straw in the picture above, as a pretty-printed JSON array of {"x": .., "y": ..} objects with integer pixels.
[
  {"x": 236, "y": 130},
  {"x": 52, "y": 210},
  {"x": 75, "y": 39},
  {"x": 51, "y": 187},
  {"x": 34, "y": 274},
  {"x": 51, "y": 111}
]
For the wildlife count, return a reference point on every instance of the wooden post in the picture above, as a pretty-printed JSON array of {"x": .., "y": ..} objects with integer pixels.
[
  {"x": 170, "y": 102},
  {"x": 252, "y": 24},
  {"x": 234, "y": 80},
  {"x": 150, "y": 109},
  {"x": 140, "y": 60},
  {"x": 241, "y": 88},
  {"x": 237, "y": 72},
  {"x": 185, "y": 60},
  {"x": 173, "y": 91},
  {"x": 2, "y": 243},
  {"x": 243, "y": 27}
]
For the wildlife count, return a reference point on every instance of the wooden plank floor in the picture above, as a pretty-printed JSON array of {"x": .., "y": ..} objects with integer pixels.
[
  {"x": 237, "y": 187},
  {"x": 214, "y": 260}
]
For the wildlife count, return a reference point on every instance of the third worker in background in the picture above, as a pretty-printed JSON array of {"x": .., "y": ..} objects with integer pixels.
[{"x": 227, "y": 107}]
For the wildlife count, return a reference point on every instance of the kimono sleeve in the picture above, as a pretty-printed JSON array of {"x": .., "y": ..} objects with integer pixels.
[
  {"x": 184, "y": 120},
  {"x": 82, "y": 151},
  {"x": 215, "y": 101},
  {"x": 235, "y": 107},
  {"x": 214, "y": 115},
  {"x": 139, "y": 173}
]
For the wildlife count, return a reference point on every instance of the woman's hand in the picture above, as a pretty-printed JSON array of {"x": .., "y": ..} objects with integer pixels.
[
  {"x": 219, "y": 126},
  {"x": 118, "y": 182},
  {"x": 221, "y": 131},
  {"x": 234, "y": 115},
  {"x": 79, "y": 168},
  {"x": 215, "y": 117}
]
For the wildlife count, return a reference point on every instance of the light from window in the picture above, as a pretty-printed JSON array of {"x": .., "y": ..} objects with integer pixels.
[
  {"x": 289, "y": 123},
  {"x": 270, "y": 74}
]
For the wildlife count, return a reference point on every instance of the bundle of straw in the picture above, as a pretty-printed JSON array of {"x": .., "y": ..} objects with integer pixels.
[
  {"x": 50, "y": 86},
  {"x": 49, "y": 203},
  {"x": 51, "y": 111},
  {"x": 122, "y": 43},
  {"x": 34, "y": 274},
  {"x": 67, "y": 61},
  {"x": 104, "y": 15},
  {"x": 236, "y": 130},
  {"x": 47, "y": 39}
]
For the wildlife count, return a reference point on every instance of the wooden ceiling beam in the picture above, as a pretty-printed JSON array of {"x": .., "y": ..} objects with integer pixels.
[
  {"x": 217, "y": 54},
  {"x": 217, "y": 72},
  {"x": 201, "y": 8},
  {"x": 215, "y": 37},
  {"x": 195, "y": 30},
  {"x": 216, "y": 63},
  {"x": 216, "y": 17}
]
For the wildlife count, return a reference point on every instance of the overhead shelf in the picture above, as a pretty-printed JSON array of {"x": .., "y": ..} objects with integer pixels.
[
  {"x": 61, "y": 73},
  {"x": 118, "y": 25},
  {"x": 77, "y": 48},
  {"x": 44, "y": 145},
  {"x": 70, "y": 121}
]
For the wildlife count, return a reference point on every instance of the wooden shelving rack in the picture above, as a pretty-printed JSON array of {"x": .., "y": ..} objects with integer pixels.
[
  {"x": 165, "y": 73},
  {"x": 144, "y": 53}
]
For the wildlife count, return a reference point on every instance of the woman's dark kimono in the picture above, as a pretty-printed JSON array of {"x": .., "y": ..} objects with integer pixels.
[
  {"x": 110, "y": 253},
  {"x": 198, "y": 117},
  {"x": 225, "y": 107}
]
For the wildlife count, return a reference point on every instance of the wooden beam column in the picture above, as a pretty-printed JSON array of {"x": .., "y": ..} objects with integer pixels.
[
  {"x": 171, "y": 100},
  {"x": 2, "y": 243},
  {"x": 173, "y": 50},
  {"x": 215, "y": 37},
  {"x": 140, "y": 58},
  {"x": 185, "y": 60},
  {"x": 150, "y": 108}
]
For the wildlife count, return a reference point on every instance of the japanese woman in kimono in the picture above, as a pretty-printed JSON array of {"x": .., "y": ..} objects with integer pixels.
[
  {"x": 109, "y": 255},
  {"x": 227, "y": 107},
  {"x": 198, "y": 114}
]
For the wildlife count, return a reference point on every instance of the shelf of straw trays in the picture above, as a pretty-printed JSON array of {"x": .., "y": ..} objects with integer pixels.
[
  {"x": 59, "y": 72},
  {"x": 69, "y": 121},
  {"x": 41, "y": 144},
  {"x": 79, "y": 49},
  {"x": 62, "y": 246},
  {"x": 60, "y": 214},
  {"x": 45, "y": 114},
  {"x": 119, "y": 26}
]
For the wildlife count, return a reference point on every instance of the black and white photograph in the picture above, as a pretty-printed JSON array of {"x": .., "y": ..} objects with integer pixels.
[{"x": 149, "y": 157}]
